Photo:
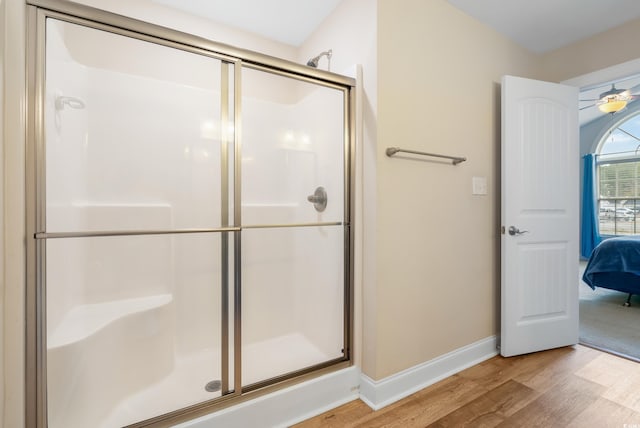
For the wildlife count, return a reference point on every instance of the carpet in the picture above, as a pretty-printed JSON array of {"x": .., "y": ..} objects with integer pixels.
[{"x": 606, "y": 324}]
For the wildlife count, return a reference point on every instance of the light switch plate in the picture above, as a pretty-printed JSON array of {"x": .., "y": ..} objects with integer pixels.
[{"x": 479, "y": 185}]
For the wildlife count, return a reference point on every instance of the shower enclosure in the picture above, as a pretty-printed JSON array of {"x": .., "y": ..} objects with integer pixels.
[{"x": 189, "y": 219}]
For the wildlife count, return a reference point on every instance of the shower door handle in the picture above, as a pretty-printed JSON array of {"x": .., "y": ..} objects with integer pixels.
[{"x": 318, "y": 199}]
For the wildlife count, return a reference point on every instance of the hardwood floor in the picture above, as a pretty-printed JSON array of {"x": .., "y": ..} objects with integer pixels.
[{"x": 567, "y": 387}]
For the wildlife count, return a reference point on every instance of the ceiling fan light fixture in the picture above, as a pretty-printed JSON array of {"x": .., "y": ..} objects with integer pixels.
[{"x": 612, "y": 105}]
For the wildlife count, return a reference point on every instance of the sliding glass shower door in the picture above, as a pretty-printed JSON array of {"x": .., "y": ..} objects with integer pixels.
[
  {"x": 190, "y": 215},
  {"x": 293, "y": 217},
  {"x": 137, "y": 161}
]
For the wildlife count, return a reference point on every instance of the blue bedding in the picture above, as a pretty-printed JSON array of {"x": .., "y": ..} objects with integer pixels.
[{"x": 615, "y": 264}]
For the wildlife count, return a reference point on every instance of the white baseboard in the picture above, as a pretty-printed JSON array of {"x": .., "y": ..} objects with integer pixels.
[
  {"x": 381, "y": 393},
  {"x": 305, "y": 400},
  {"x": 288, "y": 406}
]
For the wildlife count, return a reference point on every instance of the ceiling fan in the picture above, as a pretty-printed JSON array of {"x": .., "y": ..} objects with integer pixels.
[{"x": 613, "y": 100}]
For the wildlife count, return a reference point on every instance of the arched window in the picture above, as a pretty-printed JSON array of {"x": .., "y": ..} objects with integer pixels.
[{"x": 618, "y": 172}]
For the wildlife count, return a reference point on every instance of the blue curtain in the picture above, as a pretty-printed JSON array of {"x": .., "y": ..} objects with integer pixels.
[{"x": 590, "y": 237}]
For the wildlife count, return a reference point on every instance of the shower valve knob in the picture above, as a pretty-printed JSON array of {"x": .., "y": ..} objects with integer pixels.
[{"x": 318, "y": 199}]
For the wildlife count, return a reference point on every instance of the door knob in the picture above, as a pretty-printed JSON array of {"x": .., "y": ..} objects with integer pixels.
[{"x": 515, "y": 231}]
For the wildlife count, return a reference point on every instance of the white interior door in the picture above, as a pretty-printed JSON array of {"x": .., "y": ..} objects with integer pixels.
[{"x": 539, "y": 216}]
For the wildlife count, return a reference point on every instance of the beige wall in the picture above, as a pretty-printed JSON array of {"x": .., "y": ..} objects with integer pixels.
[
  {"x": 438, "y": 245},
  {"x": 438, "y": 255},
  {"x": 2, "y": 127},
  {"x": 603, "y": 50},
  {"x": 12, "y": 235}
]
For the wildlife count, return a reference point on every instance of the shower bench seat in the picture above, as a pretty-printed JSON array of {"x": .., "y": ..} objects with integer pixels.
[
  {"x": 85, "y": 320},
  {"x": 99, "y": 342}
]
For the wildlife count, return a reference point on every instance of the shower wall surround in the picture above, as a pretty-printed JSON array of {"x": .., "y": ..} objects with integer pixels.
[{"x": 175, "y": 245}]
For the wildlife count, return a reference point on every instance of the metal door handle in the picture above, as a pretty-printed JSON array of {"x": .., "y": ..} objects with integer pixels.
[{"x": 515, "y": 231}]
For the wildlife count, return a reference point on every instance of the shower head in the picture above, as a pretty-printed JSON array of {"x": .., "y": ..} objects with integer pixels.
[{"x": 313, "y": 62}]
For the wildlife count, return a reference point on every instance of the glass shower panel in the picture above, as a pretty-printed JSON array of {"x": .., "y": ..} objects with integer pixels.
[
  {"x": 292, "y": 299},
  {"x": 133, "y": 327},
  {"x": 133, "y": 133},
  {"x": 134, "y": 180},
  {"x": 293, "y": 142},
  {"x": 293, "y": 272},
  {"x": 134, "y": 136}
]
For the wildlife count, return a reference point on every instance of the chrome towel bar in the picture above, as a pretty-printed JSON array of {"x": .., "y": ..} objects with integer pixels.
[{"x": 454, "y": 159}]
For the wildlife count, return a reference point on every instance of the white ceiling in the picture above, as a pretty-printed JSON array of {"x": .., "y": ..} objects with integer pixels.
[
  {"x": 545, "y": 25},
  {"x": 538, "y": 25},
  {"x": 286, "y": 21}
]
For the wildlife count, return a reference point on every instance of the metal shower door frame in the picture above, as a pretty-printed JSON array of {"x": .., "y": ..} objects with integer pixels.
[{"x": 231, "y": 58}]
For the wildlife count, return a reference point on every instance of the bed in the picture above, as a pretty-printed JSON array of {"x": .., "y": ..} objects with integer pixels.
[{"x": 615, "y": 264}]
